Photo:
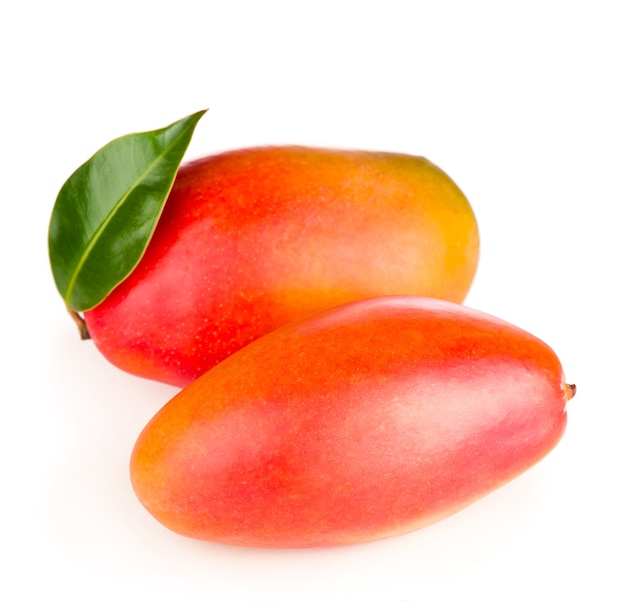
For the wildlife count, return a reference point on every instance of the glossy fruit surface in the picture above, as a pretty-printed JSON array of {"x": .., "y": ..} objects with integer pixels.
[
  {"x": 369, "y": 420},
  {"x": 251, "y": 240}
]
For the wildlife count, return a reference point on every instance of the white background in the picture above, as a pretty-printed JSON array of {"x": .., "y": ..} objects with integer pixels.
[{"x": 522, "y": 103}]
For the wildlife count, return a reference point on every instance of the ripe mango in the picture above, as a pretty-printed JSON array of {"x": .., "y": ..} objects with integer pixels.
[
  {"x": 372, "y": 419},
  {"x": 253, "y": 239}
]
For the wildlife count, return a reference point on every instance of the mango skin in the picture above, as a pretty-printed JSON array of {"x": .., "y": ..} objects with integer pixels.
[
  {"x": 253, "y": 239},
  {"x": 370, "y": 420}
]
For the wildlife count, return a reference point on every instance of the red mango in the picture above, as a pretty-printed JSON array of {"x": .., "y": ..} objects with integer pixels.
[
  {"x": 254, "y": 239},
  {"x": 372, "y": 419}
]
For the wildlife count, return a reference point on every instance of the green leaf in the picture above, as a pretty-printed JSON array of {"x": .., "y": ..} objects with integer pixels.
[{"x": 106, "y": 212}]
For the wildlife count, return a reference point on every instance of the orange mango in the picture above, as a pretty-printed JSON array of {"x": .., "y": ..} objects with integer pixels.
[{"x": 369, "y": 420}]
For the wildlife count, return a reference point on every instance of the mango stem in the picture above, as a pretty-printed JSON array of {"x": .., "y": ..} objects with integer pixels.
[
  {"x": 80, "y": 323},
  {"x": 570, "y": 391}
]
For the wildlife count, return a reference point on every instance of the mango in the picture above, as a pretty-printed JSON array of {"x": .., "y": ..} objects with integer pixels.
[
  {"x": 372, "y": 419},
  {"x": 253, "y": 239}
]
